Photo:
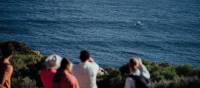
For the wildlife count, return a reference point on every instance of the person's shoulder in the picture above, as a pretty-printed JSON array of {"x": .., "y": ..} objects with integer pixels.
[
  {"x": 129, "y": 79},
  {"x": 9, "y": 67},
  {"x": 93, "y": 65},
  {"x": 70, "y": 77}
]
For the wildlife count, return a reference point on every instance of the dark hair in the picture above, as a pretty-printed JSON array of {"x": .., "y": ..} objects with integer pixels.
[
  {"x": 84, "y": 55},
  {"x": 7, "y": 49},
  {"x": 60, "y": 72}
]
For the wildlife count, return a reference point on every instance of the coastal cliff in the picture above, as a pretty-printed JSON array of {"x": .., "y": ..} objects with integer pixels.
[{"x": 27, "y": 64}]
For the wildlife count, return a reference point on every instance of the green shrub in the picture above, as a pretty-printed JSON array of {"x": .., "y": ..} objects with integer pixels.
[
  {"x": 27, "y": 65},
  {"x": 184, "y": 70}
]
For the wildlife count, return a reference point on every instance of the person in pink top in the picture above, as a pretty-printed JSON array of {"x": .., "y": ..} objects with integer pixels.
[
  {"x": 47, "y": 74},
  {"x": 64, "y": 77}
]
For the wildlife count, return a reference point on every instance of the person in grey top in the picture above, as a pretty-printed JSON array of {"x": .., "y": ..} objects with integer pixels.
[{"x": 136, "y": 69}]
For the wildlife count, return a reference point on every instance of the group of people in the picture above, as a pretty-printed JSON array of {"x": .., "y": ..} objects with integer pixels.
[{"x": 60, "y": 72}]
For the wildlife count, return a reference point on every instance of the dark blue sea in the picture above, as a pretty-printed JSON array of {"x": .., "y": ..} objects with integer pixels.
[{"x": 112, "y": 30}]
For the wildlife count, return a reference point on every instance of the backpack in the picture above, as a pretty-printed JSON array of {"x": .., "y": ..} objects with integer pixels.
[{"x": 141, "y": 82}]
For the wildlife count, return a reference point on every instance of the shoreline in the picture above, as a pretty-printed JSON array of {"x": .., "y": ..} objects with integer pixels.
[{"x": 27, "y": 64}]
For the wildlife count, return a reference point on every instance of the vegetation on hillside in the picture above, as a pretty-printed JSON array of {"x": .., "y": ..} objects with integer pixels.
[{"x": 28, "y": 63}]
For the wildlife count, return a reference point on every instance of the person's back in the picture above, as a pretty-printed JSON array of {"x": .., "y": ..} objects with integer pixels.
[
  {"x": 139, "y": 82},
  {"x": 86, "y": 74},
  {"x": 47, "y": 74},
  {"x": 139, "y": 76},
  {"x": 6, "y": 71},
  {"x": 86, "y": 71},
  {"x": 47, "y": 77},
  {"x": 64, "y": 77},
  {"x": 67, "y": 81}
]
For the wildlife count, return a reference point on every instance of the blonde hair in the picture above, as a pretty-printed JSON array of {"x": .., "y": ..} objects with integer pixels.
[{"x": 133, "y": 63}]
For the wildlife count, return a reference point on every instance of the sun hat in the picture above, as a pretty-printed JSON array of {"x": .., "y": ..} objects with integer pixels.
[{"x": 53, "y": 61}]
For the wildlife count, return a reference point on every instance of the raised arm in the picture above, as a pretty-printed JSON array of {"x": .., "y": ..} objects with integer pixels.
[{"x": 143, "y": 70}]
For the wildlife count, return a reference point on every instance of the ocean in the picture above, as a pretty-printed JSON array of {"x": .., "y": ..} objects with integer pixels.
[{"x": 112, "y": 30}]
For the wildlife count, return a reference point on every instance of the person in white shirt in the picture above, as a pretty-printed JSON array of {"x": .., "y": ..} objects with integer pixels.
[
  {"x": 86, "y": 71},
  {"x": 137, "y": 69}
]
